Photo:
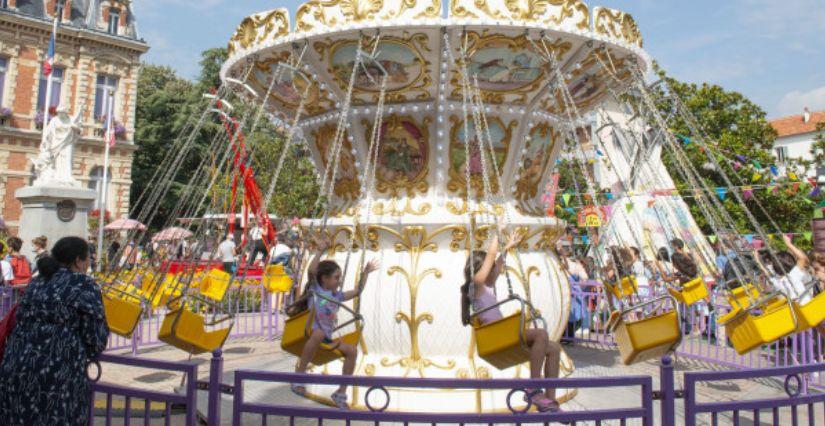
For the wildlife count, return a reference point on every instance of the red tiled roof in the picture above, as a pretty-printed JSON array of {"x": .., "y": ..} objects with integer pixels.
[{"x": 795, "y": 125}]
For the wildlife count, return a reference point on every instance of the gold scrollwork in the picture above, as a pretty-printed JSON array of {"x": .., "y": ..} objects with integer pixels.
[
  {"x": 352, "y": 11},
  {"x": 481, "y": 209},
  {"x": 415, "y": 240},
  {"x": 257, "y": 28},
  {"x": 458, "y": 179},
  {"x": 392, "y": 208},
  {"x": 618, "y": 24}
]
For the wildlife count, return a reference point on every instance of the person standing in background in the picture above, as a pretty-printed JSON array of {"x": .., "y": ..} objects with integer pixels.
[
  {"x": 227, "y": 252},
  {"x": 20, "y": 266},
  {"x": 40, "y": 243}
]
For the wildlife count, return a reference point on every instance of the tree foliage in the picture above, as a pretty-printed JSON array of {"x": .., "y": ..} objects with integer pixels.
[
  {"x": 168, "y": 106},
  {"x": 738, "y": 138}
]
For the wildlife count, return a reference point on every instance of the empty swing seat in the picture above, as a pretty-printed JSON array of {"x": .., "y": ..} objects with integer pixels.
[
  {"x": 748, "y": 330},
  {"x": 810, "y": 314},
  {"x": 499, "y": 343},
  {"x": 122, "y": 315},
  {"x": 276, "y": 280},
  {"x": 296, "y": 334},
  {"x": 691, "y": 292},
  {"x": 627, "y": 286},
  {"x": 186, "y": 330},
  {"x": 214, "y": 284},
  {"x": 648, "y": 338}
]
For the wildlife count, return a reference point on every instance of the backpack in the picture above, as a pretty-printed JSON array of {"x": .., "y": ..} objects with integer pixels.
[
  {"x": 22, "y": 270},
  {"x": 6, "y": 327}
]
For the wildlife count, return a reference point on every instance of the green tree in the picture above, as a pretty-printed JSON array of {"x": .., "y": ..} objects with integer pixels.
[{"x": 740, "y": 139}]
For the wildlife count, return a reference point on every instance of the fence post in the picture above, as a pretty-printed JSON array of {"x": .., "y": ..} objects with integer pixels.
[
  {"x": 213, "y": 416},
  {"x": 667, "y": 392}
]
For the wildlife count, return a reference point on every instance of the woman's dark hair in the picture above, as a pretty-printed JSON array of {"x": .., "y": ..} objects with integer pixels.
[
  {"x": 677, "y": 244},
  {"x": 64, "y": 253},
  {"x": 15, "y": 244},
  {"x": 325, "y": 268},
  {"x": 466, "y": 301},
  {"x": 663, "y": 254},
  {"x": 783, "y": 262},
  {"x": 684, "y": 265},
  {"x": 41, "y": 242},
  {"x": 636, "y": 252}
]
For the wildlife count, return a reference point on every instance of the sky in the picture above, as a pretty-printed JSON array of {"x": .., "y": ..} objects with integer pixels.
[{"x": 769, "y": 50}]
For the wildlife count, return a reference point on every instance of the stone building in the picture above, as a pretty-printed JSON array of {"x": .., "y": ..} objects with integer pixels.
[{"x": 97, "y": 51}]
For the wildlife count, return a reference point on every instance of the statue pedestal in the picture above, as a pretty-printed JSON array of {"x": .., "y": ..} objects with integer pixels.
[{"x": 53, "y": 211}]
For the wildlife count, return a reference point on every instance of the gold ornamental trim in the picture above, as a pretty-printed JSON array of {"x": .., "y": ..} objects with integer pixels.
[
  {"x": 258, "y": 28},
  {"x": 618, "y": 25}
]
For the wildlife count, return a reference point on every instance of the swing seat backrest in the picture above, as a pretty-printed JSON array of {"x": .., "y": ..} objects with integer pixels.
[
  {"x": 810, "y": 314},
  {"x": 276, "y": 280},
  {"x": 296, "y": 333},
  {"x": 648, "y": 338},
  {"x": 123, "y": 313},
  {"x": 691, "y": 292},
  {"x": 498, "y": 342},
  {"x": 215, "y": 284},
  {"x": 186, "y": 330}
]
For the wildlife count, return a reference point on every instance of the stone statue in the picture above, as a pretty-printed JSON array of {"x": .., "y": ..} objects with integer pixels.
[{"x": 53, "y": 165}]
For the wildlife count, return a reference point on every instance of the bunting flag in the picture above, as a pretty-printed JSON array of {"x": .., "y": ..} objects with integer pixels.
[
  {"x": 712, "y": 239},
  {"x": 747, "y": 192},
  {"x": 741, "y": 158},
  {"x": 609, "y": 195},
  {"x": 757, "y": 164},
  {"x": 599, "y": 153},
  {"x": 566, "y": 199},
  {"x": 814, "y": 192},
  {"x": 737, "y": 165},
  {"x": 774, "y": 170},
  {"x": 756, "y": 177},
  {"x": 792, "y": 176},
  {"x": 795, "y": 187},
  {"x": 769, "y": 189},
  {"x": 585, "y": 240},
  {"x": 629, "y": 207},
  {"x": 650, "y": 203},
  {"x": 721, "y": 192},
  {"x": 807, "y": 236},
  {"x": 749, "y": 238}
]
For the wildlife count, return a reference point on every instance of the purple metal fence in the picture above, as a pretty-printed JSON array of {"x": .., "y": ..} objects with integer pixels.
[
  {"x": 188, "y": 399},
  {"x": 795, "y": 384},
  {"x": 288, "y": 413}
]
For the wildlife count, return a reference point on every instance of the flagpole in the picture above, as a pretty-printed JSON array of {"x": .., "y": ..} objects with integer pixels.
[
  {"x": 104, "y": 187},
  {"x": 47, "y": 101}
]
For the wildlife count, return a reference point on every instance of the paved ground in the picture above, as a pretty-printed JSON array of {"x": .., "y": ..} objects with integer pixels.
[{"x": 589, "y": 361}]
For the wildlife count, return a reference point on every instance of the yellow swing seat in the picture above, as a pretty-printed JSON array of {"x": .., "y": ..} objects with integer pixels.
[
  {"x": 648, "y": 338},
  {"x": 123, "y": 312},
  {"x": 214, "y": 284},
  {"x": 186, "y": 330},
  {"x": 691, "y": 292},
  {"x": 741, "y": 297},
  {"x": 276, "y": 280},
  {"x": 627, "y": 286},
  {"x": 296, "y": 334},
  {"x": 810, "y": 314},
  {"x": 499, "y": 344},
  {"x": 748, "y": 330}
]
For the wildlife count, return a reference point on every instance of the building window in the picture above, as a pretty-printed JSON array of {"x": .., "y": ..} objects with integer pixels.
[
  {"x": 114, "y": 20},
  {"x": 781, "y": 153},
  {"x": 59, "y": 6},
  {"x": 96, "y": 181},
  {"x": 4, "y": 4},
  {"x": 106, "y": 85},
  {"x": 3, "y": 64},
  {"x": 57, "y": 83}
]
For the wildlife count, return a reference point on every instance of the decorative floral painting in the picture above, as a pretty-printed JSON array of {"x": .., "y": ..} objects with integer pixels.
[
  {"x": 500, "y": 136},
  {"x": 403, "y": 155},
  {"x": 346, "y": 181},
  {"x": 538, "y": 150},
  {"x": 501, "y": 66},
  {"x": 288, "y": 87},
  {"x": 403, "y": 66}
]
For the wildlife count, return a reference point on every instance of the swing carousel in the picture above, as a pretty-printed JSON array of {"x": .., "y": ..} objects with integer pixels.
[{"x": 426, "y": 130}]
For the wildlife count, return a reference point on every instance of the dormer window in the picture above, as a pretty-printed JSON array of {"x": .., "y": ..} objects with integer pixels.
[
  {"x": 114, "y": 20},
  {"x": 59, "y": 6}
]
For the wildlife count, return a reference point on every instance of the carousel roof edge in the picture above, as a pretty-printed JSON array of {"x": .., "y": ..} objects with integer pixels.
[{"x": 325, "y": 17}]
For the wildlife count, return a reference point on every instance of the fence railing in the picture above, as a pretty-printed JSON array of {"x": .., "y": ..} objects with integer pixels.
[
  {"x": 133, "y": 398},
  {"x": 783, "y": 410},
  {"x": 264, "y": 408},
  {"x": 288, "y": 414}
]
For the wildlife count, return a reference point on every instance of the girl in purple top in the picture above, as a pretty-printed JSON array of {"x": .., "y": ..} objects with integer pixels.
[
  {"x": 325, "y": 279},
  {"x": 544, "y": 353}
]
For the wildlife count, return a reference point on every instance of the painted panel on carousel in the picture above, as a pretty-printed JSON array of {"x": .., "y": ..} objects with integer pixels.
[
  {"x": 346, "y": 178},
  {"x": 408, "y": 74},
  {"x": 403, "y": 155},
  {"x": 535, "y": 159},
  {"x": 288, "y": 88},
  {"x": 500, "y": 135}
]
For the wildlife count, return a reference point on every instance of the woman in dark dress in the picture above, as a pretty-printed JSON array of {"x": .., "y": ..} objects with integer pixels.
[{"x": 60, "y": 328}]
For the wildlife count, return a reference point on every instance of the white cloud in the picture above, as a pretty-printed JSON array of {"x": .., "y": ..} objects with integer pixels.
[{"x": 794, "y": 102}]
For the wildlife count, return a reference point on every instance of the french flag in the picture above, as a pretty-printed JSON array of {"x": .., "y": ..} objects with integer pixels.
[{"x": 49, "y": 64}]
